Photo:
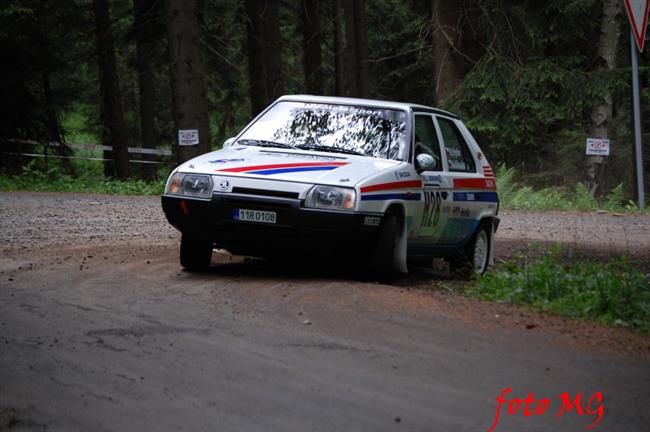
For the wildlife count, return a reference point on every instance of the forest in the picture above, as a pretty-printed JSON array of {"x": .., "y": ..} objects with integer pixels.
[{"x": 531, "y": 79}]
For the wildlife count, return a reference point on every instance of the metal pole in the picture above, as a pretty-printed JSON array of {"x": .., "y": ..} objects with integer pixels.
[{"x": 637, "y": 121}]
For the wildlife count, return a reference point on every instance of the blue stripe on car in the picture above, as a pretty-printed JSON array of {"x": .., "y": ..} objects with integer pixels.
[
  {"x": 399, "y": 196},
  {"x": 290, "y": 170},
  {"x": 476, "y": 196}
]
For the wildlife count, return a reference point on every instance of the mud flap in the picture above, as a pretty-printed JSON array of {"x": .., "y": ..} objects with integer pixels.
[{"x": 490, "y": 261}]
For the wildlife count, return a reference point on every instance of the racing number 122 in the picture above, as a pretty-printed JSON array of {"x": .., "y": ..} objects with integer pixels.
[{"x": 433, "y": 200}]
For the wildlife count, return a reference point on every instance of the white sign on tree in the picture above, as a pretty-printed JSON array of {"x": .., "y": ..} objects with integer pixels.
[
  {"x": 637, "y": 11},
  {"x": 597, "y": 147},
  {"x": 188, "y": 137}
]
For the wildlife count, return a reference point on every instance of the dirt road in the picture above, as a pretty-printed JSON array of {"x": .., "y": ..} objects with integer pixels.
[{"x": 101, "y": 330}]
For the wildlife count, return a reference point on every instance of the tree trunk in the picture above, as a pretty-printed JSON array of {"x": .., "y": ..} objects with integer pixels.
[
  {"x": 311, "y": 44},
  {"x": 448, "y": 63},
  {"x": 145, "y": 12},
  {"x": 264, "y": 52},
  {"x": 361, "y": 48},
  {"x": 113, "y": 125},
  {"x": 339, "y": 49},
  {"x": 256, "y": 68},
  {"x": 350, "y": 49},
  {"x": 54, "y": 132},
  {"x": 356, "y": 48},
  {"x": 273, "y": 51},
  {"x": 189, "y": 90},
  {"x": 601, "y": 115}
]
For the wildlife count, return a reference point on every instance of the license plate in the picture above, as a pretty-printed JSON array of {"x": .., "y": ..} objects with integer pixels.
[{"x": 259, "y": 216}]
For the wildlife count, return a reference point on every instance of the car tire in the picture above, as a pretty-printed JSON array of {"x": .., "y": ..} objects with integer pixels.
[
  {"x": 383, "y": 256},
  {"x": 196, "y": 253},
  {"x": 420, "y": 263},
  {"x": 476, "y": 258}
]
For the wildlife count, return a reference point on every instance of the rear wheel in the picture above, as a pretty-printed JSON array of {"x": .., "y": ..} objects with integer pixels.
[
  {"x": 476, "y": 258},
  {"x": 196, "y": 253}
]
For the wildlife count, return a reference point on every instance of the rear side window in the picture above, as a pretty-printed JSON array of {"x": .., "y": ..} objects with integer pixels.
[{"x": 459, "y": 159}]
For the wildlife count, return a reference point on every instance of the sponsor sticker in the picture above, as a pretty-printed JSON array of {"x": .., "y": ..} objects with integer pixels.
[
  {"x": 299, "y": 156},
  {"x": 432, "y": 178},
  {"x": 220, "y": 161},
  {"x": 372, "y": 220}
]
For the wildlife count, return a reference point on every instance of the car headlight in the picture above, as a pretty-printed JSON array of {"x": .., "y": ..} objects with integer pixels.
[
  {"x": 329, "y": 197},
  {"x": 195, "y": 185}
]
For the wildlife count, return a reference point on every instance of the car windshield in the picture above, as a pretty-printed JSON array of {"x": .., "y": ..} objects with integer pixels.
[{"x": 349, "y": 129}]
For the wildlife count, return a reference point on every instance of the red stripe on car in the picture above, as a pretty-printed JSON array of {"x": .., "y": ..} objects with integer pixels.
[
  {"x": 393, "y": 185},
  {"x": 286, "y": 165},
  {"x": 475, "y": 183}
]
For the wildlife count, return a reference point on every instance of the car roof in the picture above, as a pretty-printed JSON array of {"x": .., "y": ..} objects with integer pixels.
[{"x": 364, "y": 102}]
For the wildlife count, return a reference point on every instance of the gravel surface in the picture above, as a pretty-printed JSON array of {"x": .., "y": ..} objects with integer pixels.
[
  {"x": 39, "y": 220},
  {"x": 598, "y": 236},
  {"x": 100, "y": 329}
]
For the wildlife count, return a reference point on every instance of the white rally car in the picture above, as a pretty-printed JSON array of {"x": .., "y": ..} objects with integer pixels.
[{"x": 380, "y": 182}]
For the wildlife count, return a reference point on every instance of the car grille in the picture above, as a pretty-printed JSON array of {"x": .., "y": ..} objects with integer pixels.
[{"x": 265, "y": 192}]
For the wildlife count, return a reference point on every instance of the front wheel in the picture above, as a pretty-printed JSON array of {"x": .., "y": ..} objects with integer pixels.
[
  {"x": 382, "y": 258},
  {"x": 196, "y": 253},
  {"x": 476, "y": 258}
]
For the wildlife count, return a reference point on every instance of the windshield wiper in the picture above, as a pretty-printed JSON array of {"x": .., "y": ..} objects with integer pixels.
[
  {"x": 263, "y": 143},
  {"x": 324, "y": 148}
]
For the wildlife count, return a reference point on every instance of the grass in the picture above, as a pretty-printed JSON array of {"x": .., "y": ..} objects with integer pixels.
[
  {"x": 55, "y": 181},
  {"x": 614, "y": 293}
]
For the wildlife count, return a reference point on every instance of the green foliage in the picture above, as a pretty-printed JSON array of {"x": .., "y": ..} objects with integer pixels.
[
  {"x": 614, "y": 199},
  {"x": 514, "y": 196},
  {"x": 401, "y": 60},
  {"x": 531, "y": 77},
  {"x": 582, "y": 199},
  {"x": 529, "y": 94},
  {"x": 614, "y": 293},
  {"x": 75, "y": 123},
  {"x": 54, "y": 180}
]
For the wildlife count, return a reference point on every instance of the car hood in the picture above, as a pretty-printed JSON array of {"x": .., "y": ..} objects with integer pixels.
[{"x": 288, "y": 165}]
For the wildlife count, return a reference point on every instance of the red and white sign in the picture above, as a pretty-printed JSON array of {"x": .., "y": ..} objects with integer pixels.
[
  {"x": 637, "y": 11},
  {"x": 188, "y": 137},
  {"x": 597, "y": 147}
]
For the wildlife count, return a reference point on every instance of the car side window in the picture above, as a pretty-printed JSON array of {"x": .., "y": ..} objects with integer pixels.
[
  {"x": 426, "y": 139},
  {"x": 459, "y": 158}
]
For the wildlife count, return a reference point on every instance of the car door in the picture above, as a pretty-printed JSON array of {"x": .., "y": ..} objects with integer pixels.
[
  {"x": 432, "y": 217},
  {"x": 462, "y": 183}
]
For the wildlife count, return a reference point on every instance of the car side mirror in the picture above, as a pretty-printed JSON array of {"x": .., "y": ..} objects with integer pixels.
[
  {"x": 228, "y": 142},
  {"x": 424, "y": 162}
]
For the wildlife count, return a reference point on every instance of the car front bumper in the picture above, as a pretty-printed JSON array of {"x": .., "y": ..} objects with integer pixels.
[{"x": 297, "y": 229}]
